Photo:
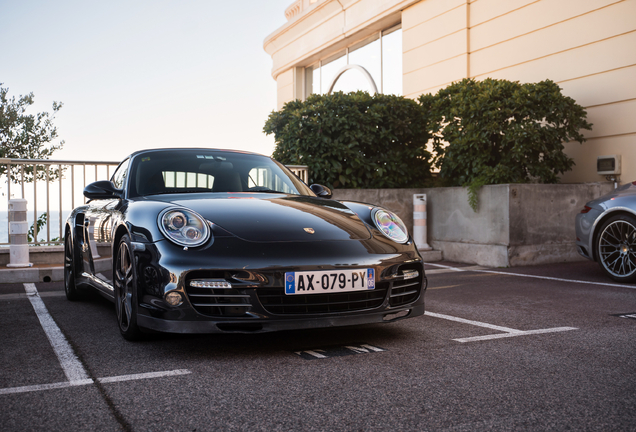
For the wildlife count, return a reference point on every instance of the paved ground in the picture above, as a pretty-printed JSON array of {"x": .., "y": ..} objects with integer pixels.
[{"x": 496, "y": 351}]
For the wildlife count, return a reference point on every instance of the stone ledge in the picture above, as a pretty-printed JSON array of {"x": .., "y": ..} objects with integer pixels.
[
  {"x": 47, "y": 254},
  {"x": 45, "y": 274},
  {"x": 431, "y": 256}
]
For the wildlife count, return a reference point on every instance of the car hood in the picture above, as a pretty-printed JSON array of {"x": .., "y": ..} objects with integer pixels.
[{"x": 275, "y": 218}]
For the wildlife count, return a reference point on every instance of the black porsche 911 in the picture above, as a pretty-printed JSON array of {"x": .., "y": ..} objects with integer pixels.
[{"x": 208, "y": 241}]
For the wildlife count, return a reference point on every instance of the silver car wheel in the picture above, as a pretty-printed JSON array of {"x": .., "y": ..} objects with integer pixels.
[
  {"x": 70, "y": 284},
  {"x": 125, "y": 282},
  {"x": 617, "y": 248}
]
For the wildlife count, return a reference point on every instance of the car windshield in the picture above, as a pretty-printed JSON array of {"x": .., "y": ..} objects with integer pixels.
[{"x": 200, "y": 170}]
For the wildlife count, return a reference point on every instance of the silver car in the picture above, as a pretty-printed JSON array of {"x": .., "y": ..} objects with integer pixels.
[{"x": 606, "y": 233}]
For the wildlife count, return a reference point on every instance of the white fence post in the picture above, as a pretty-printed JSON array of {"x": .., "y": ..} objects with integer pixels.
[
  {"x": 18, "y": 229},
  {"x": 419, "y": 222}
]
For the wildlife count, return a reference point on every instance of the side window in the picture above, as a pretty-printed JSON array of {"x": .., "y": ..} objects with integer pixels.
[
  {"x": 264, "y": 177},
  {"x": 119, "y": 177}
]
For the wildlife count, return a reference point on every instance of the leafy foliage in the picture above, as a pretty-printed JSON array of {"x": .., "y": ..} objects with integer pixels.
[
  {"x": 354, "y": 140},
  {"x": 26, "y": 136},
  {"x": 40, "y": 223},
  {"x": 498, "y": 131}
]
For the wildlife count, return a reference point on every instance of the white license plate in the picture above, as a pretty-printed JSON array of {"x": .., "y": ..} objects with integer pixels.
[{"x": 329, "y": 281}]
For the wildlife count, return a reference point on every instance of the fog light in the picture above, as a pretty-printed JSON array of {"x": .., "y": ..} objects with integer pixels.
[
  {"x": 410, "y": 274},
  {"x": 174, "y": 298},
  {"x": 211, "y": 283}
]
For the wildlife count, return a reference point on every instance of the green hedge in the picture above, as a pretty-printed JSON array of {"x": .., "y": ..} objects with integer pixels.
[
  {"x": 481, "y": 132},
  {"x": 498, "y": 131},
  {"x": 354, "y": 140}
]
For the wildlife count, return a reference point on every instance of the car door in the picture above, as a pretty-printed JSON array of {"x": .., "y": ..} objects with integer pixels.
[{"x": 99, "y": 225}]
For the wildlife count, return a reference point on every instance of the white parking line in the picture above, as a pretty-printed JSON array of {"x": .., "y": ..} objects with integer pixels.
[
  {"x": 67, "y": 384},
  {"x": 477, "y": 269},
  {"x": 20, "y": 296},
  {"x": 40, "y": 387},
  {"x": 513, "y": 334},
  {"x": 72, "y": 367},
  {"x": 475, "y": 323},
  {"x": 508, "y": 332},
  {"x": 144, "y": 376},
  {"x": 448, "y": 269}
]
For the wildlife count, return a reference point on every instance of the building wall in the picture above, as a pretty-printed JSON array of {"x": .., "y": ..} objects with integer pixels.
[
  {"x": 320, "y": 28},
  {"x": 588, "y": 47},
  {"x": 285, "y": 87},
  {"x": 435, "y": 45}
]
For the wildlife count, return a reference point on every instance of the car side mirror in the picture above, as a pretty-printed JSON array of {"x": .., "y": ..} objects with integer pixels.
[
  {"x": 102, "y": 189},
  {"x": 321, "y": 191}
]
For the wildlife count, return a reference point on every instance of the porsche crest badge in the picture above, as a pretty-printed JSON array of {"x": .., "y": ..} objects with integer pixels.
[{"x": 309, "y": 230}]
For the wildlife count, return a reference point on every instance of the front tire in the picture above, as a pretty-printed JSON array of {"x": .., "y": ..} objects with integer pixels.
[
  {"x": 616, "y": 248},
  {"x": 126, "y": 299},
  {"x": 70, "y": 269}
]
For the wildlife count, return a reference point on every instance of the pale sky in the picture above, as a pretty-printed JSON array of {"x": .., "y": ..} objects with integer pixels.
[{"x": 141, "y": 74}]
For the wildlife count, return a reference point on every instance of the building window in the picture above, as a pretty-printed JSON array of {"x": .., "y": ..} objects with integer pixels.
[{"x": 373, "y": 64}]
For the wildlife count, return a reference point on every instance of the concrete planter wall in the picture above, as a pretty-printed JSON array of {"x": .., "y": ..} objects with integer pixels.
[{"x": 516, "y": 224}]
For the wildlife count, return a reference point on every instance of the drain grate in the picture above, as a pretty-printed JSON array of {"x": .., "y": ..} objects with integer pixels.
[
  {"x": 338, "y": 351},
  {"x": 631, "y": 315}
]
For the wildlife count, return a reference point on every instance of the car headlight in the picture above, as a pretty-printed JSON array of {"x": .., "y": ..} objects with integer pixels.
[
  {"x": 184, "y": 227},
  {"x": 390, "y": 225}
]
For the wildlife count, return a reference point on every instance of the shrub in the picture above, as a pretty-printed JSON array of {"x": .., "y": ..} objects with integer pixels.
[
  {"x": 498, "y": 131},
  {"x": 354, "y": 140}
]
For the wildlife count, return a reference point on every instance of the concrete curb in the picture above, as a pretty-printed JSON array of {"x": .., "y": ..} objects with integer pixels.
[
  {"x": 431, "y": 256},
  {"x": 45, "y": 274}
]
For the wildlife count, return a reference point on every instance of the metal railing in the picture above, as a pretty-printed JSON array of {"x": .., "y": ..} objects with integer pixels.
[
  {"x": 56, "y": 180},
  {"x": 300, "y": 171},
  {"x": 51, "y": 187}
]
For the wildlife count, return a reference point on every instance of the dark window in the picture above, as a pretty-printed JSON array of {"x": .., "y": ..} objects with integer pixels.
[
  {"x": 194, "y": 170},
  {"x": 119, "y": 177}
]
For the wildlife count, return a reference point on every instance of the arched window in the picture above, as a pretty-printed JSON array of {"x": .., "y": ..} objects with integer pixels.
[
  {"x": 373, "y": 64},
  {"x": 352, "y": 77}
]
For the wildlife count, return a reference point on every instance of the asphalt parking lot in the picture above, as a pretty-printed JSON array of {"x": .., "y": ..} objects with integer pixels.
[{"x": 530, "y": 348}]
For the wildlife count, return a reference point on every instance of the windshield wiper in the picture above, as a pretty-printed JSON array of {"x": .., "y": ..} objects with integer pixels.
[{"x": 264, "y": 189}]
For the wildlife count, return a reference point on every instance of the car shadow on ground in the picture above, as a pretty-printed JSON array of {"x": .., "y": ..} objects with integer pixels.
[{"x": 237, "y": 343}]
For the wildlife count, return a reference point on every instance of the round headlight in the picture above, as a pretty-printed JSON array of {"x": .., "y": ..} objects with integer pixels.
[
  {"x": 390, "y": 225},
  {"x": 177, "y": 220},
  {"x": 184, "y": 227}
]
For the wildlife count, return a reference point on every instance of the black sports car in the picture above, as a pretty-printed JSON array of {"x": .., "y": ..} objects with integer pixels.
[{"x": 207, "y": 241}]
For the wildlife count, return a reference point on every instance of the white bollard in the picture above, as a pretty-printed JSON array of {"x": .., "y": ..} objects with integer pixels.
[
  {"x": 18, "y": 230},
  {"x": 419, "y": 222}
]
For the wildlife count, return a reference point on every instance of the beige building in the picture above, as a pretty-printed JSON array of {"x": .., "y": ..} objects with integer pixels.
[{"x": 412, "y": 47}]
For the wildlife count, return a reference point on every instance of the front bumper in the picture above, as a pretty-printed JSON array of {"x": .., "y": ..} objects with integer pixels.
[
  {"x": 256, "y": 301},
  {"x": 584, "y": 226},
  {"x": 273, "y": 324}
]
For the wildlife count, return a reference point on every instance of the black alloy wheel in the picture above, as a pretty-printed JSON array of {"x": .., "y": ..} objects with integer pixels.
[
  {"x": 125, "y": 281},
  {"x": 616, "y": 248},
  {"x": 70, "y": 269}
]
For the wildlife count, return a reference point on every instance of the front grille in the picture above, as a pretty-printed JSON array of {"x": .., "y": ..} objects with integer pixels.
[
  {"x": 217, "y": 302},
  {"x": 276, "y": 302},
  {"x": 406, "y": 291},
  {"x": 235, "y": 302}
]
